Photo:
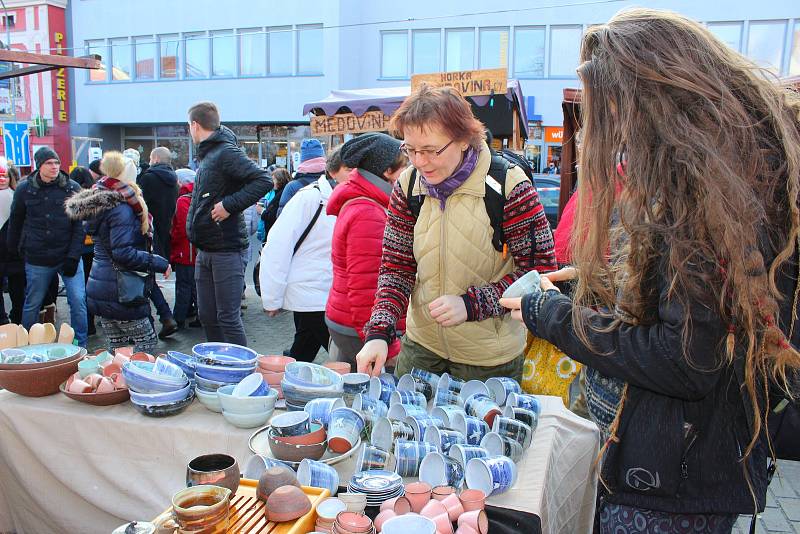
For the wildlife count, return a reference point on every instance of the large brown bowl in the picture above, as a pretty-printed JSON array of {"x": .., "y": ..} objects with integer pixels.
[
  {"x": 41, "y": 365},
  {"x": 317, "y": 435},
  {"x": 98, "y": 399},
  {"x": 274, "y": 478},
  {"x": 38, "y": 382},
  {"x": 287, "y": 503},
  {"x": 295, "y": 453}
]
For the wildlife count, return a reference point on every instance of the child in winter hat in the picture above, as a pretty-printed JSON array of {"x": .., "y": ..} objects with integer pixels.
[{"x": 120, "y": 176}]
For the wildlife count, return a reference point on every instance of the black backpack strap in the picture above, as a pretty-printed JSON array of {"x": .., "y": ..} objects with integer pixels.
[
  {"x": 305, "y": 233},
  {"x": 414, "y": 201},
  {"x": 495, "y": 198}
]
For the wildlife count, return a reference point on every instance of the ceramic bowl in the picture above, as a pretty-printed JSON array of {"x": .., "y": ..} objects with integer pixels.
[
  {"x": 276, "y": 364},
  {"x": 246, "y": 405},
  {"x": 300, "y": 395},
  {"x": 224, "y": 354},
  {"x": 270, "y": 377},
  {"x": 98, "y": 399},
  {"x": 160, "y": 399},
  {"x": 295, "y": 453},
  {"x": 252, "y": 385},
  {"x": 247, "y": 420},
  {"x": 287, "y": 503},
  {"x": 184, "y": 361},
  {"x": 165, "y": 409},
  {"x": 164, "y": 367},
  {"x": 42, "y": 381},
  {"x": 311, "y": 375},
  {"x": 291, "y": 424},
  {"x": 257, "y": 464},
  {"x": 53, "y": 354},
  {"x": 273, "y": 478},
  {"x": 209, "y": 400},
  {"x": 209, "y": 386},
  {"x": 340, "y": 367},
  {"x": 140, "y": 377},
  {"x": 214, "y": 469},
  {"x": 403, "y": 524},
  {"x": 222, "y": 373},
  {"x": 317, "y": 435}
]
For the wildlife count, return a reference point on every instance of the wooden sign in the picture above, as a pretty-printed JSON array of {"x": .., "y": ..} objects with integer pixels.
[
  {"x": 371, "y": 121},
  {"x": 467, "y": 82}
]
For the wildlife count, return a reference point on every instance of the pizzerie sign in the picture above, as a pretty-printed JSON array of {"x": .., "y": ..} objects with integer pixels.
[
  {"x": 466, "y": 82},
  {"x": 371, "y": 121}
]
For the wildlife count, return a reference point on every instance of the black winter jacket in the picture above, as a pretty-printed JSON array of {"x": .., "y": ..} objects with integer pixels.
[
  {"x": 38, "y": 225},
  {"x": 159, "y": 185},
  {"x": 225, "y": 174},
  {"x": 685, "y": 423},
  {"x": 111, "y": 222}
]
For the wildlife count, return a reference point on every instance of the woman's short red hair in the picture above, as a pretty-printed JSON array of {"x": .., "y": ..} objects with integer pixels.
[{"x": 439, "y": 106}]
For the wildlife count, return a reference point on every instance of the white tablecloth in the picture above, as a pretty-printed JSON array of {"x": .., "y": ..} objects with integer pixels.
[{"x": 68, "y": 467}]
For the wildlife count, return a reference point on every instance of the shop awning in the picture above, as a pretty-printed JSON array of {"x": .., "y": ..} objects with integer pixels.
[{"x": 43, "y": 62}]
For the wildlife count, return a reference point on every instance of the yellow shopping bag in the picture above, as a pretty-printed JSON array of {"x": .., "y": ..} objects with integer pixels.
[{"x": 547, "y": 370}]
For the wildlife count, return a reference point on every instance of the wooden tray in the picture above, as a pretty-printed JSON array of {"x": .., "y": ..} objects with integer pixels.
[{"x": 247, "y": 512}]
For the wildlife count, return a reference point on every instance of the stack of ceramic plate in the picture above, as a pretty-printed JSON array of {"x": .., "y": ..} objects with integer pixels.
[{"x": 378, "y": 485}]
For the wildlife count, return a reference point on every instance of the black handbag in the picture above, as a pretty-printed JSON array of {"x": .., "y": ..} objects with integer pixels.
[{"x": 133, "y": 288}]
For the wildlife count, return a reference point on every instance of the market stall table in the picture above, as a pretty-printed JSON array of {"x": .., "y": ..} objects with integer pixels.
[{"x": 71, "y": 467}]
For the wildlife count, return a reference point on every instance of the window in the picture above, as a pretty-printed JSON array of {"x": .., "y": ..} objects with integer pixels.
[
  {"x": 120, "y": 60},
  {"x": 765, "y": 44},
  {"x": 460, "y": 50},
  {"x": 145, "y": 54},
  {"x": 565, "y": 44},
  {"x": 223, "y": 54},
  {"x": 394, "y": 54},
  {"x": 169, "y": 52},
  {"x": 280, "y": 51},
  {"x": 309, "y": 49},
  {"x": 794, "y": 60},
  {"x": 197, "y": 56},
  {"x": 529, "y": 52},
  {"x": 252, "y": 52},
  {"x": 426, "y": 51},
  {"x": 493, "y": 48},
  {"x": 729, "y": 33},
  {"x": 9, "y": 21},
  {"x": 98, "y": 48}
]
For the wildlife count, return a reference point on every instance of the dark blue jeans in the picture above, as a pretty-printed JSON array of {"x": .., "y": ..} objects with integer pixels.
[
  {"x": 220, "y": 279},
  {"x": 185, "y": 292},
  {"x": 158, "y": 300}
]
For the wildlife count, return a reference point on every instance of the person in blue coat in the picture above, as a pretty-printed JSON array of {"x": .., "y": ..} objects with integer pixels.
[{"x": 116, "y": 217}]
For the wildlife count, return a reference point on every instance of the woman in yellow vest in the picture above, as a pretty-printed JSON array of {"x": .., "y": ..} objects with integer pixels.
[{"x": 439, "y": 265}]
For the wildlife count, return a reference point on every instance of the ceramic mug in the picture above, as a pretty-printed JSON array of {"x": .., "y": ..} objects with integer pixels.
[
  {"x": 420, "y": 424},
  {"x": 320, "y": 409},
  {"x": 491, "y": 475},
  {"x": 516, "y": 430},
  {"x": 522, "y": 414},
  {"x": 425, "y": 376},
  {"x": 410, "y": 383},
  {"x": 408, "y": 397},
  {"x": 464, "y": 453},
  {"x": 521, "y": 400},
  {"x": 385, "y": 432},
  {"x": 213, "y": 469},
  {"x": 344, "y": 429},
  {"x": 353, "y": 383},
  {"x": 437, "y": 469},
  {"x": 409, "y": 454},
  {"x": 79, "y": 386},
  {"x": 497, "y": 444},
  {"x": 381, "y": 387},
  {"x": 443, "y": 438},
  {"x": 473, "y": 428},
  {"x": 501, "y": 386},
  {"x": 319, "y": 475},
  {"x": 201, "y": 508},
  {"x": 448, "y": 414},
  {"x": 472, "y": 387},
  {"x": 370, "y": 408},
  {"x": 399, "y": 412},
  {"x": 290, "y": 424},
  {"x": 445, "y": 397},
  {"x": 482, "y": 406},
  {"x": 372, "y": 458},
  {"x": 450, "y": 383},
  {"x": 88, "y": 367}
]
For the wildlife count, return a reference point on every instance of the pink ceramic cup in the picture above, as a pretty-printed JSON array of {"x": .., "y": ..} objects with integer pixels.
[
  {"x": 120, "y": 359},
  {"x": 111, "y": 368},
  {"x": 124, "y": 351},
  {"x": 433, "y": 508},
  {"x": 454, "y": 506},
  {"x": 119, "y": 380},
  {"x": 389, "y": 505},
  {"x": 79, "y": 386},
  {"x": 466, "y": 529},
  {"x": 476, "y": 520},
  {"x": 443, "y": 524},
  {"x": 418, "y": 493},
  {"x": 473, "y": 499},
  {"x": 440, "y": 492},
  {"x": 382, "y": 517},
  {"x": 105, "y": 386},
  {"x": 402, "y": 506}
]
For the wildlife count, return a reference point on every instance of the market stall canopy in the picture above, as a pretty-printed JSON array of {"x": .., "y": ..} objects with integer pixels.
[{"x": 43, "y": 62}]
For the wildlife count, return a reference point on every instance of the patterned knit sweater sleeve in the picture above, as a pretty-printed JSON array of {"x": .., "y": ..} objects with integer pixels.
[
  {"x": 398, "y": 271},
  {"x": 530, "y": 242}
]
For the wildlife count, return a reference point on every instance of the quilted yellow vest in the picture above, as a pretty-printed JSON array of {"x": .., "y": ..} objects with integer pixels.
[{"x": 454, "y": 251}]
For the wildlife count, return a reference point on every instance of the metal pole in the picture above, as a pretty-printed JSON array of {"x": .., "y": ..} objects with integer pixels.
[{"x": 12, "y": 81}]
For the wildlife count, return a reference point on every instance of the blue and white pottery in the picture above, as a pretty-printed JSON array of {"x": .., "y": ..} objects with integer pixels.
[
  {"x": 408, "y": 397},
  {"x": 425, "y": 376},
  {"x": 291, "y": 424},
  {"x": 420, "y": 424},
  {"x": 472, "y": 387},
  {"x": 257, "y": 464},
  {"x": 164, "y": 367},
  {"x": 223, "y": 373},
  {"x": 522, "y": 414},
  {"x": 209, "y": 386},
  {"x": 370, "y": 408},
  {"x": 310, "y": 375},
  {"x": 140, "y": 378},
  {"x": 443, "y": 438},
  {"x": 501, "y": 386},
  {"x": 439, "y": 470},
  {"x": 301, "y": 395},
  {"x": 164, "y": 410},
  {"x": 482, "y": 406},
  {"x": 13, "y": 356},
  {"x": 516, "y": 430},
  {"x": 385, "y": 432},
  {"x": 252, "y": 385},
  {"x": 473, "y": 428},
  {"x": 225, "y": 354},
  {"x": 354, "y": 383},
  {"x": 381, "y": 387},
  {"x": 530, "y": 282},
  {"x": 450, "y": 383},
  {"x": 160, "y": 399},
  {"x": 492, "y": 475},
  {"x": 464, "y": 453},
  {"x": 318, "y": 475},
  {"x": 521, "y": 400},
  {"x": 497, "y": 444},
  {"x": 447, "y": 413},
  {"x": 446, "y": 397},
  {"x": 184, "y": 361},
  {"x": 320, "y": 409},
  {"x": 410, "y": 383},
  {"x": 246, "y": 405},
  {"x": 346, "y": 424},
  {"x": 399, "y": 412},
  {"x": 409, "y": 454},
  {"x": 371, "y": 458}
]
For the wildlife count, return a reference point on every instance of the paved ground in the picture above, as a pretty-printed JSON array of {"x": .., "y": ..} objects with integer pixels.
[{"x": 271, "y": 335}]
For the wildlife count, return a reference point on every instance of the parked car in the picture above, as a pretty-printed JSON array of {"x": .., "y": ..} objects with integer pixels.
[{"x": 549, "y": 188}]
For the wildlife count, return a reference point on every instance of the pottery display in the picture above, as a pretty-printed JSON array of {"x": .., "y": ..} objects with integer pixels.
[
  {"x": 141, "y": 378},
  {"x": 104, "y": 392},
  {"x": 295, "y": 452},
  {"x": 316, "y": 434},
  {"x": 224, "y": 354},
  {"x": 274, "y": 364},
  {"x": 38, "y": 356},
  {"x": 213, "y": 469},
  {"x": 272, "y": 479},
  {"x": 41, "y": 381},
  {"x": 287, "y": 503}
]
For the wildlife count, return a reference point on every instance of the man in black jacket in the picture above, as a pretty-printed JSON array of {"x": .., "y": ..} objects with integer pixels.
[
  {"x": 49, "y": 242},
  {"x": 227, "y": 183}
]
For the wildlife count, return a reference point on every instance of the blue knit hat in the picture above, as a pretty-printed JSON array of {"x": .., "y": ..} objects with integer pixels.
[{"x": 310, "y": 149}]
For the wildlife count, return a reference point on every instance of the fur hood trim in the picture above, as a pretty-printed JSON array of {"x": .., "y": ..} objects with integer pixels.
[{"x": 89, "y": 203}]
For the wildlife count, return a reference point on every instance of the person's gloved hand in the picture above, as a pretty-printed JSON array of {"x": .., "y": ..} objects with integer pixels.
[{"x": 70, "y": 267}]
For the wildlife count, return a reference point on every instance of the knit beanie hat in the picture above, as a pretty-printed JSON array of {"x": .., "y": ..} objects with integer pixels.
[
  {"x": 310, "y": 149},
  {"x": 373, "y": 152},
  {"x": 133, "y": 155},
  {"x": 115, "y": 165},
  {"x": 43, "y": 154},
  {"x": 94, "y": 166},
  {"x": 185, "y": 176}
]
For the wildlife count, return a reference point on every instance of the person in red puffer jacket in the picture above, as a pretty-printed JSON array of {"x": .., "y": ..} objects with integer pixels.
[
  {"x": 183, "y": 254},
  {"x": 360, "y": 207}
]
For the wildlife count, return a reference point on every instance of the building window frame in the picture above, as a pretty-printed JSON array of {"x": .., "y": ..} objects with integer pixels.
[
  {"x": 516, "y": 30},
  {"x": 213, "y": 35},
  {"x": 298, "y": 49},
  {"x": 196, "y": 36},
  {"x": 464, "y": 29},
  {"x": 90, "y": 49},
  {"x": 274, "y": 30},
  {"x": 117, "y": 45},
  {"x": 412, "y": 64},
  {"x": 481, "y": 32},
  {"x": 549, "y": 48},
  {"x": 170, "y": 38},
  {"x": 383, "y": 76}
]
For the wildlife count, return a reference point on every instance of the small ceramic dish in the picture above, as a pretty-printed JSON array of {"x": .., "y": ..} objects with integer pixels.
[
  {"x": 97, "y": 399},
  {"x": 317, "y": 435},
  {"x": 160, "y": 399}
]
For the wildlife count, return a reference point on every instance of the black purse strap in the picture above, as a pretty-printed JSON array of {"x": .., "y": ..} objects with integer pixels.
[
  {"x": 307, "y": 231},
  {"x": 148, "y": 247}
]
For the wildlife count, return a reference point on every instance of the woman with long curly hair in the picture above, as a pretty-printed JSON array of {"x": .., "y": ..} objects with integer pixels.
[{"x": 702, "y": 282}]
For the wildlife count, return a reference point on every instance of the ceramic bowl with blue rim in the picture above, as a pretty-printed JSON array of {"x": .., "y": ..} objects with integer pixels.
[
  {"x": 184, "y": 361},
  {"x": 159, "y": 399},
  {"x": 221, "y": 373},
  {"x": 246, "y": 405},
  {"x": 164, "y": 410},
  {"x": 310, "y": 375},
  {"x": 209, "y": 400},
  {"x": 209, "y": 386},
  {"x": 225, "y": 354},
  {"x": 140, "y": 378}
]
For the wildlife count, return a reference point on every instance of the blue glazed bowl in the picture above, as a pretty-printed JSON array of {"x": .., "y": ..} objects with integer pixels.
[
  {"x": 140, "y": 378},
  {"x": 221, "y": 373},
  {"x": 214, "y": 353},
  {"x": 209, "y": 400},
  {"x": 184, "y": 361},
  {"x": 299, "y": 395},
  {"x": 310, "y": 375},
  {"x": 165, "y": 409},
  {"x": 209, "y": 386},
  {"x": 159, "y": 399},
  {"x": 246, "y": 405}
]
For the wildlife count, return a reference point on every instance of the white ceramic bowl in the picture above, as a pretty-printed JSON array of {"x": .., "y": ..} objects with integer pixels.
[
  {"x": 209, "y": 400},
  {"x": 411, "y": 522},
  {"x": 246, "y": 405},
  {"x": 249, "y": 420}
]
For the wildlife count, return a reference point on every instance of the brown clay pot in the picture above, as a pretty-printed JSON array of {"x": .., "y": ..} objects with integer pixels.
[
  {"x": 294, "y": 453},
  {"x": 39, "y": 382},
  {"x": 274, "y": 478},
  {"x": 287, "y": 503}
]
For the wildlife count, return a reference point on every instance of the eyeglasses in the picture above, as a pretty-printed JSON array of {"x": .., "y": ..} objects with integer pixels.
[{"x": 429, "y": 154}]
